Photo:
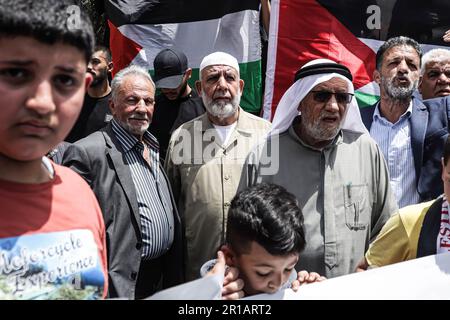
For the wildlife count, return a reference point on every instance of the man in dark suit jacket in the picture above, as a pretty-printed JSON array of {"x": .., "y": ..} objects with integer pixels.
[
  {"x": 121, "y": 164},
  {"x": 410, "y": 133}
]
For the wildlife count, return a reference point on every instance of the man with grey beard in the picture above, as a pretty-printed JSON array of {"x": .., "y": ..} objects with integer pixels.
[
  {"x": 410, "y": 134},
  {"x": 321, "y": 152},
  {"x": 206, "y": 155}
]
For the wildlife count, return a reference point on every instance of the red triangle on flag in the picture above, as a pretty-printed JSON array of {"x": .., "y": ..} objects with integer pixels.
[{"x": 123, "y": 49}]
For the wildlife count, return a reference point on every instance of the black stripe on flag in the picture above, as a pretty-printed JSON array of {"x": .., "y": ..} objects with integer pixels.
[
  {"x": 122, "y": 12},
  {"x": 424, "y": 21}
]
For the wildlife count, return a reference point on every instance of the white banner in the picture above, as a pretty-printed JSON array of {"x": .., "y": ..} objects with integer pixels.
[
  {"x": 207, "y": 288},
  {"x": 426, "y": 278}
]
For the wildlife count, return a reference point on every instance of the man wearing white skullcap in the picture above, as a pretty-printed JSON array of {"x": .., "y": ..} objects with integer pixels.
[
  {"x": 206, "y": 156},
  {"x": 320, "y": 151}
]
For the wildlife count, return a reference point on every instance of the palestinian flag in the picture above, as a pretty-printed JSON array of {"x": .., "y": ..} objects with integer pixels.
[
  {"x": 346, "y": 31},
  {"x": 140, "y": 29}
]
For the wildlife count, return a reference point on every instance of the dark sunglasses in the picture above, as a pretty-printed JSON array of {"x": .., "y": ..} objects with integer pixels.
[{"x": 324, "y": 96}]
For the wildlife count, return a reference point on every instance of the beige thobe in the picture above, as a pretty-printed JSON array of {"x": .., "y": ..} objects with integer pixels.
[{"x": 205, "y": 175}]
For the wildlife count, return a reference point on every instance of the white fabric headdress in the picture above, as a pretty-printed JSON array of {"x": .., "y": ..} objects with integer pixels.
[{"x": 287, "y": 107}]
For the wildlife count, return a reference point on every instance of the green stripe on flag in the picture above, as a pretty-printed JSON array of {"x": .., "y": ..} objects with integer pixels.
[
  {"x": 252, "y": 96},
  {"x": 365, "y": 99},
  {"x": 251, "y": 74}
]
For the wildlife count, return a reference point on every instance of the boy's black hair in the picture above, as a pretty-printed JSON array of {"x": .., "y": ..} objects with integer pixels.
[
  {"x": 395, "y": 42},
  {"x": 447, "y": 150},
  {"x": 48, "y": 21},
  {"x": 269, "y": 215}
]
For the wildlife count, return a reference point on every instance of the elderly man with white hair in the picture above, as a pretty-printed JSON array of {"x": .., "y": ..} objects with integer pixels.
[
  {"x": 435, "y": 74},
  {"x": 206, "y": 156},
  {"x": 121, "y": 165},
  {"x": 320, "y": 151}
]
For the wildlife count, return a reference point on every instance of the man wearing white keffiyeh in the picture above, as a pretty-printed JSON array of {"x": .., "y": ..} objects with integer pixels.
[
  {"x": 320, "y": 151},
  {"x": 289, "y": 103},
  {"x": 416, "y": 231}
]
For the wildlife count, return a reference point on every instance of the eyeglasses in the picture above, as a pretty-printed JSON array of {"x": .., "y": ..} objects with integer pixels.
[{"x": 324, "y": 96}]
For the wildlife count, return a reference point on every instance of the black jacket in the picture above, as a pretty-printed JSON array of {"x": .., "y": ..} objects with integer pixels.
[
  {"x": 429, "y": 231},
  {"x": 170, "y": 114}
]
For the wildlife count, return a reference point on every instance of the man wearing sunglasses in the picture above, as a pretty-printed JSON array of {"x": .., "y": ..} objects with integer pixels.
[
  {"x": 320, "y": 151},
  {"x": 410, "y": 133}
]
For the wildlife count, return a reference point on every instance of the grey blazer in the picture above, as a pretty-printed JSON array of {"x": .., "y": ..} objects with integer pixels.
[{"x": 98, "y": 159}]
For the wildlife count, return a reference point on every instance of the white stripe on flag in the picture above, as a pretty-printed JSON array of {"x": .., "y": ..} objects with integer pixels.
[
  {"x": 370, "y": 88},
  {"x": 271, "y": 60},
  {"x": 372, "y": 43}
]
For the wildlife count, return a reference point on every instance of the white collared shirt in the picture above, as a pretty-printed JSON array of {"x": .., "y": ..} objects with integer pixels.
[{"x": 394, "y": 140}]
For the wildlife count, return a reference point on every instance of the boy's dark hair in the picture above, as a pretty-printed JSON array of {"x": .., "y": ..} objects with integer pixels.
[
  {"x": 48, "y": 21},
  {"x": 269, "y": 215},
  {"x": 105, "y": 50},
  {"x": 447, "y": 150},
  {"x": 395, "y": 42}
]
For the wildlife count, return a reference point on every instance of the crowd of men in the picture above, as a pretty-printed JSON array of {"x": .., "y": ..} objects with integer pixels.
[{"x": 144, "y": 189}]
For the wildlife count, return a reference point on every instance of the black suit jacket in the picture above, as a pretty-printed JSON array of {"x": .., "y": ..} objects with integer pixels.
[
  {"x": 98, "y": 159},
  {"x": 429, "y": 130}
]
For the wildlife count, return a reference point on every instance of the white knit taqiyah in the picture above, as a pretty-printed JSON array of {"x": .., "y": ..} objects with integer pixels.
[{"x": 219, "y": 58}]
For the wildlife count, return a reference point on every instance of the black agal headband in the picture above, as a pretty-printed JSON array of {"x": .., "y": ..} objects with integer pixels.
[{"x": 321, "y": 68}]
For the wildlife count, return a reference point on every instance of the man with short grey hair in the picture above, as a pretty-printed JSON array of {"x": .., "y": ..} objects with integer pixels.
[
  {"x": 410, "y": 134},
  {"x": 206, "y": 155},
  {"x": 121, "y": 164},
  {"x": 435, "y": 74}
]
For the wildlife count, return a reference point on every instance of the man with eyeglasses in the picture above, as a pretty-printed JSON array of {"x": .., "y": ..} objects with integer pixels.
[
  {"x": 410, "y": 133},
  {"x": 121, "y": 164},
  {"x": 320, "y": 151}
]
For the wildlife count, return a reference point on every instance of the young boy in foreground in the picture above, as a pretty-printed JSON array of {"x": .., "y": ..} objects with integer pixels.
[
  {"x": 52, "y": 241},
  {"x": 264, "y": 239}
]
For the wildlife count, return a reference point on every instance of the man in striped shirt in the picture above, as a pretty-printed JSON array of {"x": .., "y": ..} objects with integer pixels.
[{"x": 121, "y": 164}]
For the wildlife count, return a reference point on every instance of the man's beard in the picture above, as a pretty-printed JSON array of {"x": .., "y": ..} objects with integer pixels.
[
  {"x": 398, "y": 92},
  {"x": 175, "y": 94},
  {"x": 98, "y": 79},
  {"x": 221, "y": 109},
  {"x": 317, "y": 130},
  {"x": 182, "y": 90},
  {"x": 135, "y": 130}
]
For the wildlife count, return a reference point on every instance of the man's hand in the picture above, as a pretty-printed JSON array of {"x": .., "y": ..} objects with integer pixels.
[
  {"x": 305, "y": 277},
  {"x": 232, "y": 285},
  {"x": 446, "y": 36}
]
